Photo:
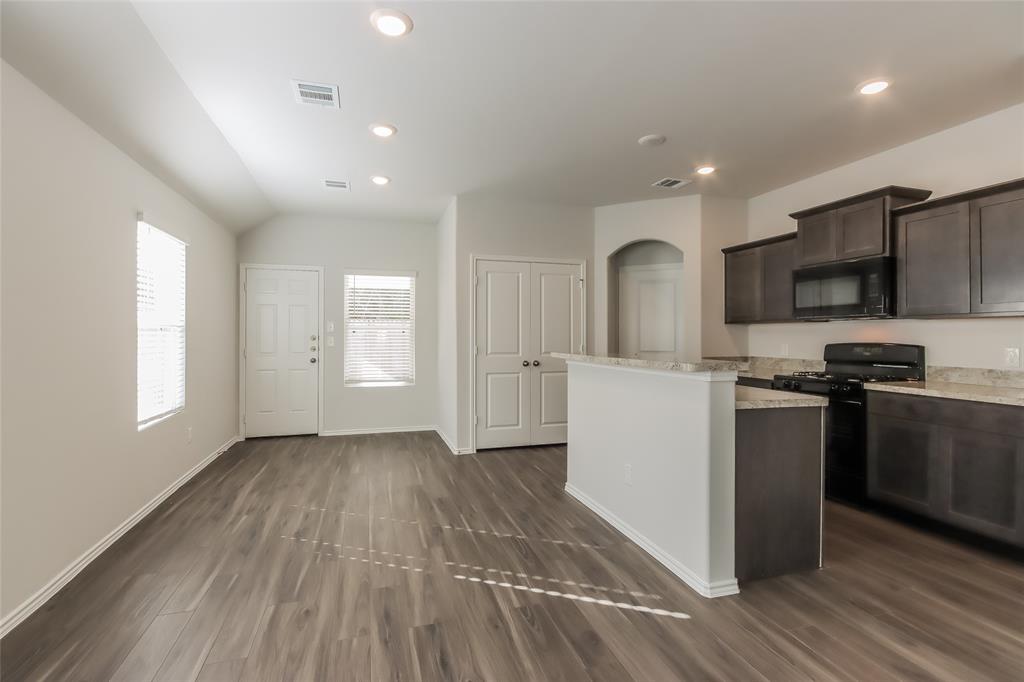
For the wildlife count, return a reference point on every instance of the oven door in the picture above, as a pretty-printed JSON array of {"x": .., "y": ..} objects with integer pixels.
[{"x": 844, "y": 290}]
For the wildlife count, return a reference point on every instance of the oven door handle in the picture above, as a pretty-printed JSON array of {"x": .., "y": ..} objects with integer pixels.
[{"x": 847, "y": 402}]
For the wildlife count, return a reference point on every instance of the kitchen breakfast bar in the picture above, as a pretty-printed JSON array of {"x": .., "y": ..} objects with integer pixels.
[{"x": 718, "y": 482}]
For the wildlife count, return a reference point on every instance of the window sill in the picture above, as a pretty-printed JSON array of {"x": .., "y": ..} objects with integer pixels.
[
  {"x": 156, "y": 420},
  {"x": 380, "y": 384}
]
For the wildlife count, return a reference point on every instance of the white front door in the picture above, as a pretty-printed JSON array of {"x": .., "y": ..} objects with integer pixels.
[
  {"x": 524, "y": 311},
  {"x": 650, "y": 311},
  {"x": 281, "y": 351}
]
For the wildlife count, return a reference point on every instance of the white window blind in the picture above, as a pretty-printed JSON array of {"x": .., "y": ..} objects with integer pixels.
[
  {"x": 160, "y": 316},
  {"x": 380, "y": 343}
]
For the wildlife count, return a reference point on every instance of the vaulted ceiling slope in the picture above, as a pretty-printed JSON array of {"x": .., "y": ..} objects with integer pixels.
[
  {"x": 540, "y": 101},
  {"x": 99, "y": 60}
]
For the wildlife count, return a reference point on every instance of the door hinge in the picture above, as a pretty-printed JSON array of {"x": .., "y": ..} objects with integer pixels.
[
  {"x": 476, "y": 420},
  {"x": 580, "y": 282}
]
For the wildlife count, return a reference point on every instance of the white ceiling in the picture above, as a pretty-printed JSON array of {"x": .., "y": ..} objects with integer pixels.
[{"x": 539, "y": 101}]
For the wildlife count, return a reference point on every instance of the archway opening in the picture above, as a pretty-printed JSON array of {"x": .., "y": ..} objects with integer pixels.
[{"x": 645, "y": 301}]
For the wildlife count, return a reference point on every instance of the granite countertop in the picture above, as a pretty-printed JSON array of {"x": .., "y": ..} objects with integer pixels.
[
  {"x": 665, "y": 365},
  {"x": 750, "y": 398},
  {"x": 1003, "y": 395}
]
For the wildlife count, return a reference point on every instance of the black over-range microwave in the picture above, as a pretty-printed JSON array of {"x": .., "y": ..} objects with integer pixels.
[{"x": 861, "y": 288}]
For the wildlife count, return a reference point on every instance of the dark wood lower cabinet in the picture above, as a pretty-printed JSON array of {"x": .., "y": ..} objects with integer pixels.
[
  {"x": 778, "y": 491},
  {"x": 958, "y": 462}
]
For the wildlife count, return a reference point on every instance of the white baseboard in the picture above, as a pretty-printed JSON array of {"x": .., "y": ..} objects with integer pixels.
[
  {"x": 29, "y": 606},
  {"x": 702, "y": 587},
  {"x": 376, "y": 429},
  {"x": 451, "y": 444}
]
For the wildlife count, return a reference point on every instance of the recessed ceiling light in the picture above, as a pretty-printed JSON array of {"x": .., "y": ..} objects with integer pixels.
[
  {"x": 383, "y": 129},
  {"x": 873, "y": 87},
  {"x": 380, "y": 180},
  {"x": 651, "y": 140},
  {"x": 391, "y": 23},
  {"x": 705, "y": 170}
]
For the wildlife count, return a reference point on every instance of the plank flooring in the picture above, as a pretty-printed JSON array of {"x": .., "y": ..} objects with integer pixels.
[{"x": 384, "y": 557}]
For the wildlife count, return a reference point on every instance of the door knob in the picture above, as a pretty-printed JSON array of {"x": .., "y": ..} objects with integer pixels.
[
  {"x": 526, "y": 363},
  {"x": 312, "y": 361},
  {"x": 536, "y": 363}
]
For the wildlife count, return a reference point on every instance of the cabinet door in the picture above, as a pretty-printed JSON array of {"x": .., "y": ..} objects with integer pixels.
[
  {"x": 903, "y": 466},
  {"x": 861, "y": 230},
  {"x": 816, "y": 238},
  {"x": 985, "y": 475},
  {"x": 743, "y": 285},
  {"x": 778, "y": 261},
  {"x": 997, "y": 253},
  {"x": 933, "y": 262}
]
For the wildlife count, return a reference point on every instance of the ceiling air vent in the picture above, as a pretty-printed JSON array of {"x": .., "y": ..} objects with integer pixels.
[
  {"x": 337, "y": 184},
  {"x": 320, "y": 94},
  {"x": 670, "y": 183}
]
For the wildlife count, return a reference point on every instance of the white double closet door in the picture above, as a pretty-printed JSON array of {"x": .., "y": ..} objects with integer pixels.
[{"x": 524, "y": 312}]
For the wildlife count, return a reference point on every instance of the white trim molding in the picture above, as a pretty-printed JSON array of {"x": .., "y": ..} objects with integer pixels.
[
  {"x": 30, "y": 605},
  {"x": 451, "y": 444},
  {"x": 719, "y": 588}
]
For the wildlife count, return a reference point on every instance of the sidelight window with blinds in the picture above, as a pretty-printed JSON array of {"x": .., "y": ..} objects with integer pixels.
[
  {"x": 160, "y": 318},
  {"x": 380, "y": 329}
]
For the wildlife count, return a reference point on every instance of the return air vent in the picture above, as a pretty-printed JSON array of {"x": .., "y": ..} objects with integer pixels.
[
  {"x": 320, "y": 94},
  {"x": 337, "y": 184},
  {"x": 670, "y": 183}
]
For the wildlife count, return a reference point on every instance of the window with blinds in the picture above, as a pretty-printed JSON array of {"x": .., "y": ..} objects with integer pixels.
[
  {"x": 380, "y": 339},
  {"x": 160, "y": 318}
]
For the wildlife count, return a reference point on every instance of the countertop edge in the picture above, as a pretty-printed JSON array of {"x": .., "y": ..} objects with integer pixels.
[{"x": 977, "y": 393}]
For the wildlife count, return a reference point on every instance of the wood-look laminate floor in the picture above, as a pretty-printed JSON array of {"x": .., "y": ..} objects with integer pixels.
[{"x": 385, "y": 557}]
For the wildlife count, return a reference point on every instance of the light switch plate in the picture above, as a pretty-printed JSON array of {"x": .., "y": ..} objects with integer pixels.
[
  {"x": 1011, "y": 357},
  {"x": 629, "y": 474}
]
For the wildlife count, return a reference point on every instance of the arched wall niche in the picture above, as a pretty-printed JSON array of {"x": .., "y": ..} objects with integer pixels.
[{"x": 645, "y": 300}]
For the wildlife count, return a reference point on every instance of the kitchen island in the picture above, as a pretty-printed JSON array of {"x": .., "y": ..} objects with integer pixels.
[{"x": 672, "y": 454}]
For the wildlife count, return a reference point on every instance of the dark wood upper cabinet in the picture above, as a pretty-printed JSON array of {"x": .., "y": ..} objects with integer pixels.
[
  {"x": 777, "y": 263},
  {"x": 861, "y": 230},
  {"x": 997, "y": 253},
  {"x": 743, "y": 286},
  {"x": 933, "y": 263},
  {"x": 816, "y": 238},
  {"x": 854, "y": 227},
  {"x": 962, "y": 254},
  {"x": 759, "y": 280}
]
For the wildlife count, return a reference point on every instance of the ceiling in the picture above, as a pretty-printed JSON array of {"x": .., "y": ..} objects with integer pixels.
[{"x": 533, "y": 101}]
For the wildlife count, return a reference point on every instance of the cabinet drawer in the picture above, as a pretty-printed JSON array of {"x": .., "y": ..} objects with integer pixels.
[{"x": 989, "y": 417}]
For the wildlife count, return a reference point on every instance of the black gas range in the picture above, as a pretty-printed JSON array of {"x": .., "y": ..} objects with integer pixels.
[{"x": 848, "y": 366}]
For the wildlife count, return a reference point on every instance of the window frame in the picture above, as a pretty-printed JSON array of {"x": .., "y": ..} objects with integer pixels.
[
  {"x": 154, "y": 419},
  {"x": 411, "y": 274}
]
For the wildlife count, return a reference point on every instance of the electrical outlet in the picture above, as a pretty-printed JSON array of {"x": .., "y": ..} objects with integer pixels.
[
  {"x": 188, "y": 434},
  {"x": 784, "y": 350},
  {"x": 330, "y": 326},
  {"x": 330, "y": 341},
  {"x": 1011, "y": 357},
  {"x": 629, "y": 474}
]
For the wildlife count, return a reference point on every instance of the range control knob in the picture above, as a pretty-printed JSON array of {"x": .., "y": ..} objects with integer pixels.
[
  {"x": 787, "y": 384},
  {"x": 796, "y": 385}
]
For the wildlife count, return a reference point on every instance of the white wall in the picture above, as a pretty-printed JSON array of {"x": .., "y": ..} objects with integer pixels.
[
  {"x": 493, "y": 227},
  {"x": 75, "y": 466},
  {"x": 339, "y": 244},
  {"x": 675, "y": 221},
  {"x": 977, "y": 153},
  {"x": 447, "y": 345},
  {"x": 723, "y": 223}
]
